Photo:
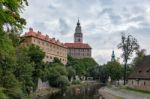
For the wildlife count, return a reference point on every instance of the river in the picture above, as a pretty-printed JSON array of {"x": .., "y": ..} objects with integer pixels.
[{"x": 82, "y": 92}]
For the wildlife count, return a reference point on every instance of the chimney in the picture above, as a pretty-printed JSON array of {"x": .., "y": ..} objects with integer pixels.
[
  {"x": 30, "y": 29},
  {"x": 39, "y": 33},
  {"x": 53, "y": 38},
  {"x": 46, "y": 37},
  {"x": 57, "y": 40}
]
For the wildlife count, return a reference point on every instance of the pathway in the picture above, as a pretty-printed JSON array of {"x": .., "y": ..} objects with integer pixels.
[{"x": 126, "y": 94}]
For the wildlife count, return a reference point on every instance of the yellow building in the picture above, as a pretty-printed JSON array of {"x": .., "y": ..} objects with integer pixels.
[{"x": 52, "y": 48}]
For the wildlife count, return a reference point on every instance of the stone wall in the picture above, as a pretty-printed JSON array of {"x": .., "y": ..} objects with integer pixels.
[
  {"x": 42, "y": 85},
  {"x": 139, "y": 84}
]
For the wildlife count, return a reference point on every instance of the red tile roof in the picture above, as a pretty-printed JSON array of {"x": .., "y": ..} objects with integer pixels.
[
  {"x": 77, "y": 45},
  {"x": 46, "y": 38}
]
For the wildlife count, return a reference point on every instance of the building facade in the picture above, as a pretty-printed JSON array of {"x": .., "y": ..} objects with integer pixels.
[
  {"x": 140, "y": 78},
  {"x": 52, "y": 47},
  {"x": 78, "y": 49}
]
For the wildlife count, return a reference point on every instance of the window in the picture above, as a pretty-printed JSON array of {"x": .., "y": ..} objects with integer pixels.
[
  {"x": 42, "y": 43},
  {"x": 144, "y": 83},
  {"x": 38, "y": 41},
  {"x": 140, "y": 71}
]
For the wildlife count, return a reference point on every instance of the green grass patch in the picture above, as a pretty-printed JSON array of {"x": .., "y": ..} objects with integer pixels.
[{"x": 138, "y": 90}]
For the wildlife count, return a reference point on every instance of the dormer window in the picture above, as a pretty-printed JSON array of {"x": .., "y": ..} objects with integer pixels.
[{"x": 140, "y": 71}]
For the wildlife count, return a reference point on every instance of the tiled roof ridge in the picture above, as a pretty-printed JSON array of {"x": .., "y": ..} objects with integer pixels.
[
  {"x": 46, "y": 37},
  {"x": 77, "y": 45}
]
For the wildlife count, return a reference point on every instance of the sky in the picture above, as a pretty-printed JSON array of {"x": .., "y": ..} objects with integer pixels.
[{"x": 102, "y": 22}]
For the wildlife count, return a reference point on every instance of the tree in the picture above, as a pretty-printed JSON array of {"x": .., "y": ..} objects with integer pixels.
[
  {"x": 103, "y": 74},
  {"x": 36, "y": 54},
  {"x": 10, "y": 14},
  {"x": 62, "y": 81},
  {"x": 128, "y": 45},
  {"x": 81, "y": 66},
  {"x": 24, "y": 69},
  {"x": 114, "y": 70},
  {"x": 139, "y": 57},
  {"x": 71, "y": 72}
]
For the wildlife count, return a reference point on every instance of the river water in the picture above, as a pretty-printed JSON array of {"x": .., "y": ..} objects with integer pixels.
[{"x": 84, "y": 92}]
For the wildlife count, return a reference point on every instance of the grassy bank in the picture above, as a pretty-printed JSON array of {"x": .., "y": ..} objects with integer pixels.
[{"x": 137, "y": 90}]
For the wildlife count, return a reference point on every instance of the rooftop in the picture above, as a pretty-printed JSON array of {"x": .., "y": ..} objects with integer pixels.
[
  {"x": 46, "y": 38},
  {"x": 78, "y": 45},
  {"x": 142, "y": 71}
]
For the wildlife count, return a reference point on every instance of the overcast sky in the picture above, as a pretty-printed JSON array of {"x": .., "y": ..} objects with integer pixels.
[{"x": 102, "y": 22}]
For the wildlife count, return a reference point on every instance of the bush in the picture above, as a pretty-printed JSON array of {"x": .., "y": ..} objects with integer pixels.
[
  {"x": 2, "y": 95},
  {"x": 75, "y": 82},
  {"x": 62, "y": 81}
]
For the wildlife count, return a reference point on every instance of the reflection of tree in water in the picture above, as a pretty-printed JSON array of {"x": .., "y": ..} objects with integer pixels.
[{"x": 78, "y": 93}]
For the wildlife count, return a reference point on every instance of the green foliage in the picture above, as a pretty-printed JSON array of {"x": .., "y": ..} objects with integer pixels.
[
  {"x": 61, "y": 69},
  {"x": 6, "y": 47},
  {"x": 10, "y": 63},
  {"x": 81, "y": 66},
  {"x": 57, "y": 61},
  {"x": 3, "y": 95},
  {"x": 114, "y": 70},
  {"x": 103, "y": 74},
  {"x": 94, "y": 72},
  {"x": 71, "y": 72},
  {"x": 9, "y": 14},
  {"x": 76, "y": 82},
  {"x": 54, "y": 72},
  {"x": 139, "y": 57},
  {"x": 24, "y": 69},
  {"x": 36, "y": 54},
  {"x": 62, "y": 81}
]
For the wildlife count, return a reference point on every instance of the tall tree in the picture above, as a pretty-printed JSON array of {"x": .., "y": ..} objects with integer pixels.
[
  {"x": 10, "y": 18},
  {"x": 139, "y": 57},
  {"x": 128, "y": 45},
  {"x": 114, "y": 70}
]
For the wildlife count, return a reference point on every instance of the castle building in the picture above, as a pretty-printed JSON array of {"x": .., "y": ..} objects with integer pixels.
[
  {"x": 78, "y": 49},
  {"x": 52, "y": 47}
]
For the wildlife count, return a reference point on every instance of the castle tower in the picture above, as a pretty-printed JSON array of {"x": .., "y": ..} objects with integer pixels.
[{"x": 78, "y": 36}]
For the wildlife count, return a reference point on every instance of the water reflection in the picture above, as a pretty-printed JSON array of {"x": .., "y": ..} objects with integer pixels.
[{"x": 77, "y": 93}]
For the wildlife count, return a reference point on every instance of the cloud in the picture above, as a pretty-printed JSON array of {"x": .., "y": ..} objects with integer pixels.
[
  {"x": 63, "y": 26},
  {"x": 102, "y": 22}
]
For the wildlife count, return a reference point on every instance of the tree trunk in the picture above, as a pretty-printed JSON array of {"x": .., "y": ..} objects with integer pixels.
[{"x": 125, "y": 72}]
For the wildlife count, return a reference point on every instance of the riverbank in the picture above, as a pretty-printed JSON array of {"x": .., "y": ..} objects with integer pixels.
[
  {"x": 107, "y": 95},
  {"x": 42, "y": 93},
  {"x": 122, "y": 92},
  {"x": 51, "y": 91}
]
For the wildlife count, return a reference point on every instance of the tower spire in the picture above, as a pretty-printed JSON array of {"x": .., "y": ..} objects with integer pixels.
[
  {"x": 78, "y": 36},
  {"x": 78, "y": 23},
  {"x": 113, "y": 56}
]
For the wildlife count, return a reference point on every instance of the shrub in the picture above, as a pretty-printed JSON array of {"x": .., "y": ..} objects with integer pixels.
[
  {"x": 62, "y": 81},
  {"x": 75, "y": 82}
]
